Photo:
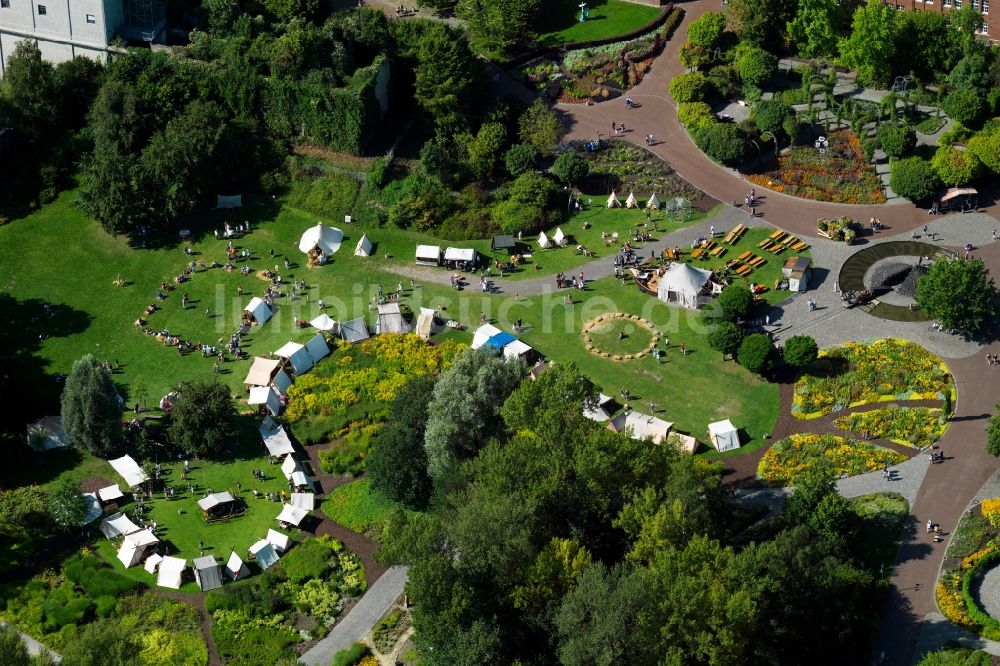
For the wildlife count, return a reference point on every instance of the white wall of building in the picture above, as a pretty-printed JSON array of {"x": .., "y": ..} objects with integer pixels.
[{"x": 66, "y": 29}]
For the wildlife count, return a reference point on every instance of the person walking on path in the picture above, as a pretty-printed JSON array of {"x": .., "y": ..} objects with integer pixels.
[
  {"x": 930, "y": 525},
  {"x": 683, "y": 349}
]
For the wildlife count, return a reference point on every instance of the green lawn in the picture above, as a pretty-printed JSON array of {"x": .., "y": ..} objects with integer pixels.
[
  {"x": 620, "y": 337},
  {"x": 607, "y": 19},
  {"x": 356, "y": 506}
]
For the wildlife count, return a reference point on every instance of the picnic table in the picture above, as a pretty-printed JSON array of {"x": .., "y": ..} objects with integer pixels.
[
  {"x": 777, "y": 234},
  {"x": 717, "y": 252}
]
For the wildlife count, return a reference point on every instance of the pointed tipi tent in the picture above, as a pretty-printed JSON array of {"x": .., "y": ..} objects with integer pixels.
[
  {"x": 559, "y": 238},
  {"x": 631, "y": 202},
  {"x": 613, "y": 201},
  {"x": 543, "y": 241},
  {"x": 653, "y": 202},
  {"x": 364, "y": 247}
]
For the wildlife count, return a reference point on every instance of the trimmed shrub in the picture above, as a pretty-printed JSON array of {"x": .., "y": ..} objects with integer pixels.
[
  {"x": 707, "y": 30},
  {"x": 736, "y": 302},
  {"x": 723, "y": 142},
  {"x": 800, "y": 351},
  {"x": 770, "y": 115},
  {"x": 520, "y": 158},
  {"x": 694, "y": 115},
  {"x": 955, "y": 167},
  {"x": 756, "y": 65},
  {"x": 350, "y": 655},
  {"x": 913, "y": 178},
  {"x": 690, "y": 87},
  {"x": 897, "y": 140},
  {"x": 966, "y": 105},
  {"x": 987, "y": 149},
  {"x": 756, "y": 353}
]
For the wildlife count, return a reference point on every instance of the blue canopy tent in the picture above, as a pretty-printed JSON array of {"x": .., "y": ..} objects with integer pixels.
[{"x": 500, "y": 340}]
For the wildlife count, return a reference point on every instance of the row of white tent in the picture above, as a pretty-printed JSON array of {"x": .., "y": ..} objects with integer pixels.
[
  {"x": 723, "y": 435},
  {"x": 652, "y": 203},
  {"x": 328, "y": 240},
  {"x": 559, "y": 239},
  {"x": 505, "y": 343},
  {"x": 431, "y": 255}
]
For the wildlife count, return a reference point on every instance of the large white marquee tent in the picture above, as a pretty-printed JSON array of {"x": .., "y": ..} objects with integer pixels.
[
  {"x": 321, "y": 237},
  {"x": 682, "y": 284}
]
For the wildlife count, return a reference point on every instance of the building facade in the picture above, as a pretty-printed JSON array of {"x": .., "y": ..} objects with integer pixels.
[
  {"x": 65, "y": 29},
  {"x": 990, "y": 29}
]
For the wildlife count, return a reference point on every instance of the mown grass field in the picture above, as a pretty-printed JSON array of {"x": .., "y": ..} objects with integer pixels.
[{"x": 607, "y": 18}]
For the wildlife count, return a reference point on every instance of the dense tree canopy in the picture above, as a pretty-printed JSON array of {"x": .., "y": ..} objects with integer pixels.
[
  {"x": 816, "y": 26},
  {"x": 756, "y": 353},
  {"x": 397, "y": 465},
  {"x": 993, "y": 432},
  {"x": 67, "y": 506},
  {"x": 871, "y": 46},
  {"x": 958, "y": 293},
  {"x": 913, "y": 178},
  {"x": 202, "y": 418},
  {"x": 91, "y": 412},
  {"x": 800, "y": 351},
  {"x": 725, "y": 338}
]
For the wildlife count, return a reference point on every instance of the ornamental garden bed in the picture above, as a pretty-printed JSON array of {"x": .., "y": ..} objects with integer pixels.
[
  {"x": 622, "y": 167},
  {"x": 973, "y": 550},
  {"x": 841, "y": 175},
  {"x": 911, "y": 426},
  {"x": 796, "y": 455},
  {"x": 880, "y": 371}
]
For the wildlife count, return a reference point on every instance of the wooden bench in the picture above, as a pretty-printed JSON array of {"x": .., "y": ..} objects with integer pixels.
[
  {"x": 757, "y": 262},
  {"x": 801, "y": 245},
  {"x": 777, "y": 234},
  {"x": 766, "y": 243},
  {"x": 695, "y": 253},
  {"x": 776, "y": 249},
  {"x": 791, "y": 239},
  {"x": 717, "y": 252},
  {"x": 743, "y": 256},
  {"x": 730, "y": 237},
  {"x": 744, "y": 271}
]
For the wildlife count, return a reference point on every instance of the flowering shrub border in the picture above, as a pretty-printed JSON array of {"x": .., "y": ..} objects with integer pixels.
[
  {"x": 588, "y": 341},
  {"x": 796, "y": 454},
  {"x": 910, "y": 426},
  {"x": 877, "y": 371}
]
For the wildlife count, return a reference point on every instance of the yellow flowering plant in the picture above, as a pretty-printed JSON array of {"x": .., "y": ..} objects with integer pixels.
[{"x": 793, "y": 456}]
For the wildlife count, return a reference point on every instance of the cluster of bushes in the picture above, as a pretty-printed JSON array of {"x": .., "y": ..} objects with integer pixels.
[
  {"x": 919, "y": 179},
  {"x": 258, "y": 620}
]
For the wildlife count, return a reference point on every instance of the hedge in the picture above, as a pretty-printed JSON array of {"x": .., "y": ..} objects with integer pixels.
[{"x": 991, "y": 627}]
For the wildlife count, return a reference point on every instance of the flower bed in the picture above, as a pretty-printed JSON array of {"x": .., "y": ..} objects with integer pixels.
[
  {"x": 626, "y": 168},
  {"x": 912, "y": 426},
  {"x": 357, "y": 383},
  {"x": 536, "y": 75},
  {"x": 622, "y": 63},
  {"x": 972, "y": 550},
  {"x": 860, "y": 373},
  {"x": 793, "y": 456},
  {"x": 841, "y": 175}
]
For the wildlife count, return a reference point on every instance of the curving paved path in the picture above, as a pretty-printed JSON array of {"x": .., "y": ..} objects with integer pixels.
[{"x": 947, "y": 488}]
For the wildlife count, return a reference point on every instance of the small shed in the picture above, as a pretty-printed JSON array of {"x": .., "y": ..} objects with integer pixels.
[
  {"x": 263, "y": 553},
  {"x": 259, "y": 310},
  {"x": 355, "y": 330},
  {"x": 207, "y": 573},
  {"x": 428, "y": 255},
  {"x": 723, "y": 436},
  {"x": 297, "y": 355},
  {"x": 390, "y": 319},
  {"x": 171, "y": 572},
  {"x": 503, "y": 243},
  {"x": 265, "y": 395},
  {"x": 364, "y": 247},
  {"x": 798, "y": 271},
  {"x": 235, "y": 568}
]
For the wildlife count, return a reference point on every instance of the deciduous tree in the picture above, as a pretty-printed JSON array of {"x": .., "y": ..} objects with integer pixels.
[
  {"x": 570, "y": 168},
  {"x": 67, "y": 506},
  {"x": 913, "y": 178},
  {"x": 397, "y": 464},
  {"x": 800, "y": 351},
  {"x": 706, "y": 31},
  {"x": 756, "y": 353},
  {"x": 955, "y": 167},
  {"x": 871, "y": 46},
  {"x": 540, "y": 126},
  {"x": 816, "y": 26},
  {"x": 202, "y": 418},
  {"x": 736, "y": 302},
  {"x": 726, "y": 338},
  {"x": 958, "y": 293},
  {"x": 993, "y": 432},
  {"x": 521, "y": 158},
  {"x": 91, "y": 413}
]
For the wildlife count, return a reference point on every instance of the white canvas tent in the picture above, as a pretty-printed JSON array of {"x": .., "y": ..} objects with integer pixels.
[
  {"x": 323, "y": 323},
  {"x": 281, "y": 382},
  {"x": 262, "y": 371},
  {"x": 631, "y": 202},
  {"x": 171, "y": 572},
  {"x": 390, "y": 319},
  {"x": 235, "y": 568},
  {"x": 305, "y": 501},
  {"x": 317, "y": 348},
  {"x": 653, "y": 202},
  {"x": 263, "y": 552},
  {"x": 275, "y": 438},
  {"x": 601, "y": 412},
  {"x": 110, "y": 493},
  {"x": 355, "y": 330},
  {"x": 209, "y": 502},
  {"x": 516, "y": 349},
  {"x": 543, "y": 241},
  {"x": 428, "y": 255},
  {"x": 559, "y": 238},
  {"x": 296, "y": 355},
  {"x": 134, "y": 546},
  {"x": 300, "y": 480},
  {"x": 265, "y": 395},
  {"x": 129, "y": 470},
  {"x": 47, "y": 433},
  {"x": 278, "y": 540},
  {"x": 289, "y": 466},
  {"x": 482, "y": 334},
  {"x": 641, "y": 426},
  {"x": 321, "y": 237},
  {"x": 613, "y": 201},
  {"x": 459, "y": 254},
  {"x": 723, "y": 435},
  {"x": 364, "y": 247},
  {"x": 259, "y": 309},
  {"x": 427, "y": 323},
  {"x": 117, "y": 525},
  {"x": 291, "y": 515},
  {"x": 152, "y": 562},
  {"x": 207, "y": 573},
  {"x": 682, "y": 284}
]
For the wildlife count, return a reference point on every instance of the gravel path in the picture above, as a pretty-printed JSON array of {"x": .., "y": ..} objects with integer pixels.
[
  {"x": 34, "y": 647},
  {"x": 373, "y": 605}
]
